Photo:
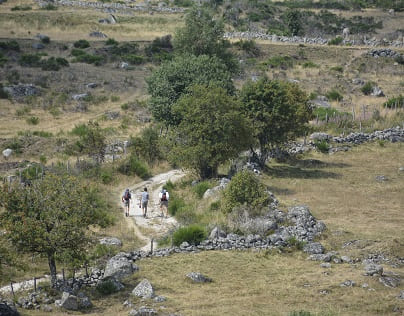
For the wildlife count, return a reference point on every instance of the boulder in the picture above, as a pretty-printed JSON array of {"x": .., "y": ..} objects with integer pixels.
[
  {"x": 124, "y": 65},
  {"x": 313, "y": 248},
  {"x": 84, "y": 301},
  {"x": 98, "y": 34},
  {"x": 377, "y": 92},
  {"x": 21, "y": 90},
  {"x": 373, "y": 269},
  {"x": 321, "y": 101},
  {"x": 348, "y": 283},
  {"x": 8, "y": 310},
  {"x": 68, "y": 301},
  {"x": 91, "y": 85},
  {"x": 144, "y": 289},
  {"x": 401, "y": 295},
  {"x": 143, "y": 311},
  {"x": 390, "y": 281},
  {"x": 119, "y": 267},
  {"x": 38, "y": 46},
  {"x": 111, "y": 283},
  {"x": 81, "y": 96},
  {"x": 111, "y": 241},
  {"x": 159, "y": 299},
  {"x": 320, "y": 136},
  {"x": 7, "y": 153},
  {"x": 198, "y": 277}
]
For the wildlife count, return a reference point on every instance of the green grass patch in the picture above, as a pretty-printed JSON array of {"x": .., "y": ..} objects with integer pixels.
[
  {"x": 192, "y": 234},
  {"x": 283, "y": 62},
  {"x": 395, "y": 102}
]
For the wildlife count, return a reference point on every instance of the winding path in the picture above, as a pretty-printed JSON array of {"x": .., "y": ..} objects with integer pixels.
[{"x": 154, "y": 226}]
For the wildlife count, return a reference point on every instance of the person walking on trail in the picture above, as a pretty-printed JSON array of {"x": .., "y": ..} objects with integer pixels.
[
  {"x": 144, "y": 200},
  {"x": 126, "y": 200},
  {"x": 164, "y": 196}
]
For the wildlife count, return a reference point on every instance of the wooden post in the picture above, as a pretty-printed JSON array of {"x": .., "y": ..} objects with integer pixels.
[
  {"x": 86, "y": 270},
  {"x": 353, "y": 114},
  {"x": 35, "y": 284},
  {"x": 74, "y": 275},
  {"x": 326, "y": 117},
  {"x": 12, "y": 288},
  {"x": 360, "y": 126},
  {"x": 63, "y": 275},
  {"x": 151, "y": 245}
]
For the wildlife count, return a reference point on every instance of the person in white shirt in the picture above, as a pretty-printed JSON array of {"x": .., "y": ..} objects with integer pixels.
[{"x": 164, "y": 197}]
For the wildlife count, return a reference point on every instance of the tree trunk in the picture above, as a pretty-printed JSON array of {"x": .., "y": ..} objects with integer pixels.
[{"x": 52, "y": 268}]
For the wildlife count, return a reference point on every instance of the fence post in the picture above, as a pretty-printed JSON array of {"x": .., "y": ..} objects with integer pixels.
[
  {"x": 35, "y": 284},
  {"x": 151, "y": 245},
  {"x": 12, "y": 288},
  {"x": 63, "y": 275}
]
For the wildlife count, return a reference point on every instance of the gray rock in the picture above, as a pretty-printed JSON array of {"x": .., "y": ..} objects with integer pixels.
[
  {"x": 377, "y": 92},
  {"x": 358, "y": 81},
  {"x": 21, "y": 90},
  {"x": 373, "y": 269},
  {"x": 112, "y": 115},
  {"x": 320, "y": 136},
  {"x": 313, "y": 248},
  {"x": 111, "y": 241},
  {"x": 98, "y": 34},
  {"x": 184, "y": 245},
  {"x": 45, "y": 307},
  {"x": 401, "y": 169},
  {"x": 144, "y": 289},
  {"x": 390, "y": 281},
  {"x": 84, "y": 301},
  {"x": 348, "y": 283},
  {"x": 69, "y": 302},
  {"x": 8, "y": 309},
  {"x": 112, "y": 19},
  {"x": 321, "y": 101},
  {"x": 7, "y": 153},
  {"x": 346, "y": 259},
  {"x": 91, "y": 85},
  {"x": 113, "y": 284},
  {"x": 381, "y": 178},
  {"x": 216, "y": 233},
  {"x": 326, "y": 265},
  {"x": 401, "y": 295},
  {"x": 159, "y": 299},
  {"x": 78, "y": 97},
  {"x": 124, "y": 65},
  {"x": 119, "y": 267},
  {"x": 143, "y": 311},
  {"x": 38, "y": 46},
  {"x": 198, "y": 277}
]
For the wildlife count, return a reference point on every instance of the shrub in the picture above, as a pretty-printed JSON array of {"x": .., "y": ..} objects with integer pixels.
[
  {"x": 45, "y": 39},
  {"x": 310, "y": 64},
  {"x": 249, "y": 46},
  {"x": 23, "y": 111},
  {"x": 399, "y": 59},
  {"x": 134, "y": 167},
  {"x": 107, "y": 287},
  {"x": 115, "y": 98},
  {"x": 192, "y": 234},
  {"x": 183, "y": 3},
  {"x": 106, "y": 176},
  {"x": 21, "y": 8},
  {"x": 3, "y": 93},
  {"x": 336, "y": 41},
  {"x": 3, "y": 60},
  {"x": 175, "y": 204},
  {"x": 53, "y": 63},
  {"x": 134, "y": 59},
  {"x": 300, "y": 313},
  {"x": 201, "y": 188},
  {"x": 33, "y": 120},
  {"x": 15, "y": 144},
  {"x": 49, "y": 7},
  {"x": 334, "y": 95},
  {"x": 283, "y": 62},
  {"x": 10, "y": 45},
  {"x": 367, "y": 88},
  {"x": 81, "y": 44},
  {"x": 244, "y": 187},
  {"x": 42, "y": 134},
  {"x": 323, "y": 113},
  {"x": 80, "y": 130},
  {"x": 30, "y": 60},
  {"x": 337, "y": 69},
  {"x": 111, "y": 41},
  {"x": 124, "y": 49},
  {"x": 89, "y": 59},
  {"x": 395, "y": 102},
  {"x": 322, "y": 146}
]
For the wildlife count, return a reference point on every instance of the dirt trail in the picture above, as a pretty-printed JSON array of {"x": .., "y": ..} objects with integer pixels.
[{"x": 154, "y": 225}]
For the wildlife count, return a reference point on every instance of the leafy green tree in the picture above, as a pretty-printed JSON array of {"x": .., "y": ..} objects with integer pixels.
[
  {"x": 173, "y": 78},
  {"x": 293, "y": 19},
  {"x": 279, "y": 111},
  {"x": 92, "y": 142},
  {"x": 147, "y": 145},
  {"x": 52, "y": 217},
  {"x": 211, "y": 130},
  {"x": 203, "y": 35}
]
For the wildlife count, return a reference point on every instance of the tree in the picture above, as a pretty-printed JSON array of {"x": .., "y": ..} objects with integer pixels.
[
  {"x": 279, "y": 112},
  {"x": 210, "y": 132},
  {"x": 203, "y": 35},
  {"x": 93, "y": 142},
  {"x": 147, "y": 145},
  {"x": 173, "y": 78},
  {"x": 52, "y": 217}
]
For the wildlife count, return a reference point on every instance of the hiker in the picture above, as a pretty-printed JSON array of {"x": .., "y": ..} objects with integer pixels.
[
  {"x": 144, "y": 199},
  {"x": 164, "y": 196},
  {"x": 126, "y": 200}
]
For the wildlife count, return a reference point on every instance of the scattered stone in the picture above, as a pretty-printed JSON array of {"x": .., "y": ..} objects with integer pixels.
[
  {"x": 373, "y": 269},
  {"x": 68, "y": 301},
  {"x": 7, "y": 153},
  {"x": 84, "y": 301},
  {"x": 184, "y": 245},
  {"x": 324, "y": 292},
  {"x": 143, "y": 311},
  {"x": 124, "y": 65},
  {"x": 119, "y": 267},
  {"x": 44, "y": 307},
  {"x": 320, "y": 136},
  {"x": 365, "y": 285},
  {"x": 401, "y": 295},
  {"x": 325, "y": 265},
  {"x": 159, "y": 299},
  {"x": 98, "y": 34},
  {"x": 390, "y": 281},
  {"x": 321, "y": 101},
  {"x": 401, "y": 169},
  {"x": 348, "y": 283},
  {"x": 358, "y": 81},
  {"x": 313, "y": 248},
  {"x": 112, "y": 115},
  {"x": 346, "y": 259},
  {"x": 111, "y": 241},
  {"x": 216, "y": 233},
  {"x": 377, "y": 92},
  {"x": 78, "y": 97},
  {"x": 381, "y": 178},
  {"x": 91, "y": 85},
  {"x": 144, "y": 289},
  {"x": 113, "y": 284},
  {"x": 198, "y": 277},
  {"x": 21, "y": 90}
]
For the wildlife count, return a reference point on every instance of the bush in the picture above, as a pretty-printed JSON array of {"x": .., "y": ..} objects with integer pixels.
[
  {"x": 89, "y": 59},
  {"x": 310, "y": 64},
  {"x": 21, "y": 8},
  {"x": 183, "y": 3},
  {"x": 192, "y": 234},
  {"x": 53, "y": 63},
  {"x": 81, "y": 44},
  {"x": 336, "y": 41},
  {"x": 80, "y": 130},
  {"x": 243, "y": 188},
  {"x": 395, "y": 102},
  {"x": 326, "y": 113},
  {"x": 15, "y": 144},
  {"x": 111, "y": 42},
  {"x": 30, "y": 60},
  {"x": 337, "y": 69},
  {"x": 107, "y": 287},
  {"x": 322, "y": 146},
  {"x": 300, "y": 313},
  {"x": 399, "y": 59},
  {"x": 106, "y": 176},
  {"x": 10, "y": 45},
  {"x": 3, "y": 60},
  {"x": 175, "y": 204},
  {"x": 283, "y": 62},
  {"x": 160, "y": 49},
  {"x": 42, "y": 134},
  {"x": 367, "y": 88},
  {"x": 23, "y": 111},
  {"x": 249, "y": 46},
  {"x": 134, "y": 59},
  {"x": 45, "y": 39},
  {"x": 49, "y": 7},
  {"x": 334, "y": 95},
  {"x": 134, "y": 167},
  {"x": 33, "y": 120},
  {"x": 3, "y": 94},
  {"x": 201, "y": 188}
]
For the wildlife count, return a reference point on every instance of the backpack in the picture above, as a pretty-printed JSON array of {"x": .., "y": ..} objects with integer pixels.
[
  {"x": 164, "y": 197},
  {"x": 127, "y": 195}
]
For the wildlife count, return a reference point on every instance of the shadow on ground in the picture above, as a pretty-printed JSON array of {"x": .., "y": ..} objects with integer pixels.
[{"x": 287, "y": 171}]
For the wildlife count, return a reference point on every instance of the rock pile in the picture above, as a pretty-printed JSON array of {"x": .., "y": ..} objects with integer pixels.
[
  {"x": 384, "y": 52},
  {"x": 21, "y": 90},
  {"x": 395, "y": 134}
]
